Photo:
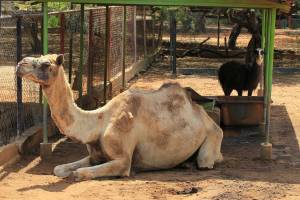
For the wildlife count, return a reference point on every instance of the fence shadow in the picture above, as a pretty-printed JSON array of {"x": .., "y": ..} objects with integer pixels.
[{"x": 241, "y": 162}]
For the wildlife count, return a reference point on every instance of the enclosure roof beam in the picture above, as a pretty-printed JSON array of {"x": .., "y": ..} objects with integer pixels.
[{"x": 201, "y": 3}]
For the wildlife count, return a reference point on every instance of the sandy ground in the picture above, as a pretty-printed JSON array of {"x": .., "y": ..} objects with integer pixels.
[{"x": 241, "y": 176}]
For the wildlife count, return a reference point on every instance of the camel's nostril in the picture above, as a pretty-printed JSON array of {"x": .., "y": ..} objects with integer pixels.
[{"x": 18, "y": 71}]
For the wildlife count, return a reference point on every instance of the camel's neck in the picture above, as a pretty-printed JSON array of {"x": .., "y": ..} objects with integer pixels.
[{"x": 69, "y": 118}]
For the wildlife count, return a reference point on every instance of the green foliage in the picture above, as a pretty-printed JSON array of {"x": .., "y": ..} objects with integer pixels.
[
  {"x": 53, "y": 21},
  {"x": 185, "y": 18},
  {"x": 58, "y": 6},
  {"x": 34, "y": 6}
]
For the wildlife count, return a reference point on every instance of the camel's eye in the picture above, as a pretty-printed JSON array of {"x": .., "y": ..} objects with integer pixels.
[{"x": 45, "y": 66}]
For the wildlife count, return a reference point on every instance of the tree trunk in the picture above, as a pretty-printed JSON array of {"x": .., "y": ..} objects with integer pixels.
[
  {"x": 200, "y": 21},
  {"x": 253, "y": 44},
  {"x": 235, "y": 32},
  {"x": 36, "y": 42}
]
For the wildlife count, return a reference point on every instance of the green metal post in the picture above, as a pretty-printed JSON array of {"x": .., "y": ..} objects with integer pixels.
[
  {"x": 269, "y": 69},
  {"x": 71, "y": 50},
  {"x": 263, "y": 40},
  {"x": 266, "y": 45},
  {"x": 124, "y": 48},
  {"x": 45, "y": 51},
  {"x": 134, "y": 35},
  {"x": 80, "y": 69}
]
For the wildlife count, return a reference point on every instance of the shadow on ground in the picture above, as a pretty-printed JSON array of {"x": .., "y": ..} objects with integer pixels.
[{"x": 241, "y": 160}]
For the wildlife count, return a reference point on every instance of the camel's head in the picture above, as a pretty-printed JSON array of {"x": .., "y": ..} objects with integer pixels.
[{"x": 42, "y": 70}]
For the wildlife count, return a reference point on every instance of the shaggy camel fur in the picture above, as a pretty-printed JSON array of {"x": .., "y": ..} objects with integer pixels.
[{"x": 144, "y": 130}]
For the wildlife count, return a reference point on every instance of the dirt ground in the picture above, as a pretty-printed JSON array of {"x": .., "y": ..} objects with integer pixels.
[{"x": 241, "y": 176}]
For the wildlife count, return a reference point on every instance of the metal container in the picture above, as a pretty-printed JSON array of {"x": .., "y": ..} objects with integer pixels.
[{"x": 241, "y": 111}]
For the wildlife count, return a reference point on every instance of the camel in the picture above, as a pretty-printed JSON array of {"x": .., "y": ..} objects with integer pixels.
[{"x": 136, "y": 130}]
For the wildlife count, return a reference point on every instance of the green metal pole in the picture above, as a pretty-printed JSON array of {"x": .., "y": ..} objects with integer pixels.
[
  {"x": 45, "y": 51},
  {"x": 266, "y": 34},
  {"x": 80, "y": 69},
  {"x": 124, "y": 48},
  {"x": 271, "y": 37},
  {"x": 263, "y": 40}
]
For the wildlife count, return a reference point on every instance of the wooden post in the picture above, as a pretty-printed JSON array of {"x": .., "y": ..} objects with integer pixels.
[
  {"x": 107, "y": 52},
  {"x": 153, "y": 34},
  {"x": 173, "y": 41},
  {"x": 134, "y": 34},
  {"x": 90, "y": 54},
  {"x": 80, "y": 68},
  {"x": 218, "y": 29},
  {"x": 62, "y": 33},
  {"x": 20, "y": 119},
  {"x": 124, "y": 29},
  {"x": 145, "y": 31},
  {"x": 70, "y": 52},
  {"x": 226, "y": 47},
  {"x": 0, "y": 8}
]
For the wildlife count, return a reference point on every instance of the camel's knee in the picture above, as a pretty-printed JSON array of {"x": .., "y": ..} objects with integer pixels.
[
  {"x": 66, "y": 169},
  {"x": 118, "y": 167}
]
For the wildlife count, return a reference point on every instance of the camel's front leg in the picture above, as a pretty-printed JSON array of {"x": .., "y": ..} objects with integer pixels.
[
  {"x": 118, "y": 167},
  {"x": 66, "y": 169}
]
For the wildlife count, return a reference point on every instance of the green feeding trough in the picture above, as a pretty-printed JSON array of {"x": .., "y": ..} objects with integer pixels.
[{"x": 268, "y": 7}]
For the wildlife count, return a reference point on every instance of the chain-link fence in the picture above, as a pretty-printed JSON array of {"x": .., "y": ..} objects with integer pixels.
[
  {"x": 8, "y": 93},
  {"x": 64, "y": 37}
]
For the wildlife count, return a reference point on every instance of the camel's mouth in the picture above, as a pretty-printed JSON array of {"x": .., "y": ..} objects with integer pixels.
[{"x": 19, "y": 71}]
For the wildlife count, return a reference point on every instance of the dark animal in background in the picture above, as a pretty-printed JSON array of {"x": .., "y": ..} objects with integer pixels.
[{"x": 241, "y": 77}]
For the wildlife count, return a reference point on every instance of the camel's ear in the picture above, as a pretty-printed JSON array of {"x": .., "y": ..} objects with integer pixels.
[{"x": 60, "y": 59}]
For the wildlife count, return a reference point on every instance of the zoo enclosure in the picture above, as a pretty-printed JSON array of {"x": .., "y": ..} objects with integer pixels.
[
  {"x": 131, "y": 35},
  {"x": 209, "y": 46}
]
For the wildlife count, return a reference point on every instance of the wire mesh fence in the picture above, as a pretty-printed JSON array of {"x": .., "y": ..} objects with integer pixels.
[
  {"x": 207, "y": 45},
  {"x": 64, "y": 37}
]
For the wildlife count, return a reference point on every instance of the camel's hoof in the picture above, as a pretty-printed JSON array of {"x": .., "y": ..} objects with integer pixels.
[
  {"x": 75, "y": 175},
  {"x": 205, "y": 166},
  {"x": 60, "y": 172},
  {"x": 79, "y": 175}
]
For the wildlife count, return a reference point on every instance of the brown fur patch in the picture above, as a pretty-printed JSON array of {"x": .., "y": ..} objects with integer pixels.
[
  {"x": 100, "y": 116},
  {"x": 112, "y": 146},
  {"x": 174, "y": 103},
  {"x": 134, "y": 103},
  {"x": 162, "y": 140},
  {"x": 169, "y": 84},
  {"x": 124, "y": 123}
]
